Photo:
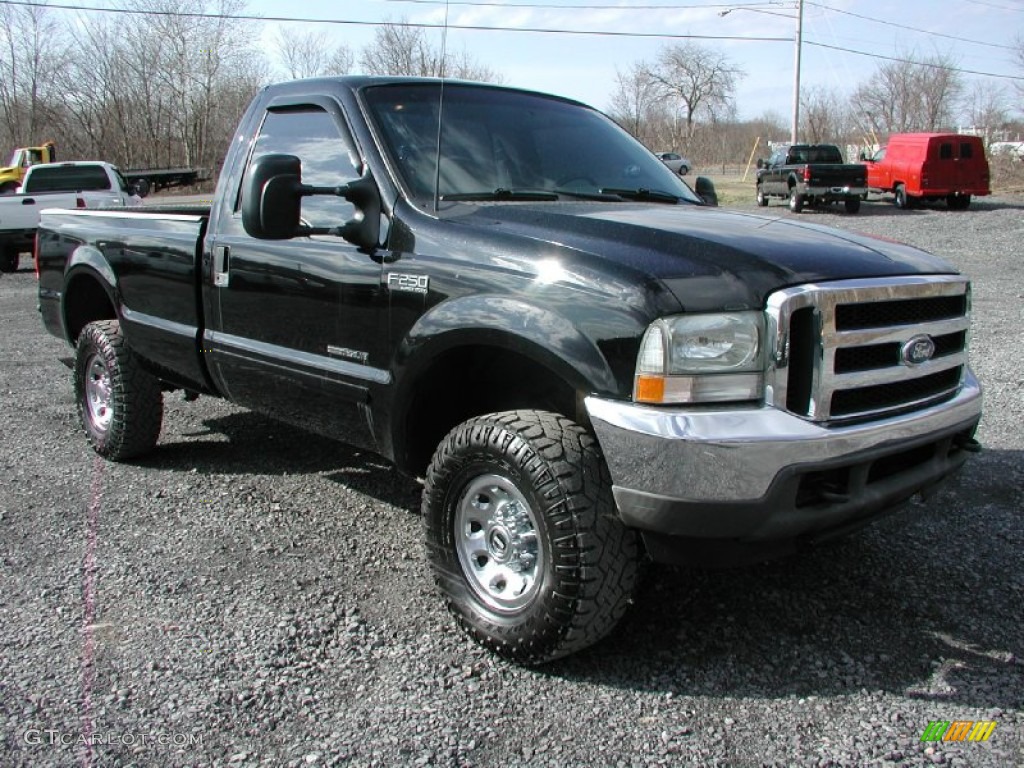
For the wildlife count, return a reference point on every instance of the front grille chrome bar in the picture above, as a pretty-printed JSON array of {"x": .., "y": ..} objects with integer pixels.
[{"x": 870, "y": 321}]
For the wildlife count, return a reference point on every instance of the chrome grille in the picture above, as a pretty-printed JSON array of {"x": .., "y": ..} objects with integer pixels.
[{"x": 838, "y": 351}]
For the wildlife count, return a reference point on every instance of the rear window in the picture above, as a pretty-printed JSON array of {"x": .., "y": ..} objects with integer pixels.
[
  {"x": 945, "y": 151},
  {"x": 66, "y": 178},
  {"x": 966, "y": 150}
]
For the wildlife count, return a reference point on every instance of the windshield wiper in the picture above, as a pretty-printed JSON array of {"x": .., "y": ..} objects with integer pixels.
[
  {"x": 503, "y": 194},
  {"x": 602, "y": 196},
  {"x": 649, "y": 195}
]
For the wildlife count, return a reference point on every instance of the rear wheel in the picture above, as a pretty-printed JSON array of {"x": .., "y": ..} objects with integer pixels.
[
  {"x": 523, "y": 536},
  {"x": 796, "y": 200},
  {"x": 762, "y": 198},
  {"x": 852, "y": 204},
  {"x": 120, "y": 404},
  {"x": 9, "y": 259}
]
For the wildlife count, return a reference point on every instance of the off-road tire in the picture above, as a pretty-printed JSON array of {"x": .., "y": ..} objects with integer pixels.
[
  {"x": 958, "y": 202},
  {"x": 796, "y": 201},
  {"x": 852, "y": 205},
  {"x": 119, "y": 403},
  {"x": 565, "y": 530},
  {"x": 9, "y": 259},
  {"x": 762, "y": 198}
]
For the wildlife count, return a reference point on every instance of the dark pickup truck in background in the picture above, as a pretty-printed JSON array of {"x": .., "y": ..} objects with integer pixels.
[
  {"x": 504, "y": 293},
  {"x": 810, "y": 175}
]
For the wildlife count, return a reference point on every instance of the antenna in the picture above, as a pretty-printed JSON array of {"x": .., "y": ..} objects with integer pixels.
[{"x": 440, "y": 111}]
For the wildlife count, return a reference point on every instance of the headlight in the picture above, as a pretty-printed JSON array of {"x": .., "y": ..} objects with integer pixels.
[{"x": 701, "y": 359}]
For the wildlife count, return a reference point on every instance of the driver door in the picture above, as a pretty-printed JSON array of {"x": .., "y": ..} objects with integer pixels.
[{"x": 297, "y": 331}]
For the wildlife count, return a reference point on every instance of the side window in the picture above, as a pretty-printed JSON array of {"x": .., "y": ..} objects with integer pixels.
[
  {"x": 966, "y": 150},
  {"x": 311, "y": 134},
  {"x": 946, "y": 151}
]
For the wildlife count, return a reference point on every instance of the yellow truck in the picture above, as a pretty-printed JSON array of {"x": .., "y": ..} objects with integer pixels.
[{"x": 22, "y": 159}]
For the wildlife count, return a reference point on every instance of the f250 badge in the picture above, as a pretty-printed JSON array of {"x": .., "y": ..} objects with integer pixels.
[{"x": 398, "y": 281}]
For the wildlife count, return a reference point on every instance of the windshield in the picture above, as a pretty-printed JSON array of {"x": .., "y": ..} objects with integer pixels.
[{"x": 508, "y": 145}]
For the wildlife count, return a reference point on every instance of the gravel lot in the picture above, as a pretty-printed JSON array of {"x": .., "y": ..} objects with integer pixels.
[{"x": 253, "y": 595}]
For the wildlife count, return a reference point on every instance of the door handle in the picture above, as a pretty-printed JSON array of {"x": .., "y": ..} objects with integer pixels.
[{"x": 221, "y": 277}]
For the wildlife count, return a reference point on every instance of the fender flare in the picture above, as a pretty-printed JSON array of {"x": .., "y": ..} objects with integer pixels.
[
  {"x": 88, "y": 262},
  {"x": 509, "y": 323}
]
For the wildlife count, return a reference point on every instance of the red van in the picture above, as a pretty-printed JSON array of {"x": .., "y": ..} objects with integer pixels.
[{"x": 930, "y": 166}]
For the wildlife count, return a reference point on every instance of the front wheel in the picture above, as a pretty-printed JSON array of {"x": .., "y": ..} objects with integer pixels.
[
  {"x": 903, "y": 200},
  {"x": 762, "y": 198},
  {"x": 523, "y": 536},
  {"x": 120, "y": 404}
]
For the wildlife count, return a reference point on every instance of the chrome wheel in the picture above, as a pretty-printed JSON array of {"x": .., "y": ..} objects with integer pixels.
[
  {"x": 98, "y": 397},
  {"x": 497, "y": 545}
]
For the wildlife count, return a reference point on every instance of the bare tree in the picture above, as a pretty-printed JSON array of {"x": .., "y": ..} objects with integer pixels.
[
  {"x": 31, "y": 43},
  {"x": 699, "y": 80},
  {"x": 161, "y": 85},
  {"x": 1018, "y": 57},
  {"x": 309, "y": 54},
  {"x": 402, "y": 49},
  {"x": 637, "y": 102},
  {"x": 825, "y": 116},
  {"x": 987, "y": 109},
  {"x": 919, "y": 96}
]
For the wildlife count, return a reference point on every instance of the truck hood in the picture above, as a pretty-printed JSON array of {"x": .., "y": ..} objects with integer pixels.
[{"x": 708, "y": 257}]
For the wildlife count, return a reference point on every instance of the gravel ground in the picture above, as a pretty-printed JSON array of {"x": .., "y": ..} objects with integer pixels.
[{"x": 252, "y": 595}]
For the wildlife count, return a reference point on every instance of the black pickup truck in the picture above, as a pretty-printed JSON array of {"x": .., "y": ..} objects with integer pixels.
[
  {"x": 810, "y": 175},
  {"x": 503, "y": 293}
]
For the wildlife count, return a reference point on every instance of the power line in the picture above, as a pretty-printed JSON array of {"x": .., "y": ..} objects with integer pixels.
[
  {"x": 997, "y": 7},
  {"x": 911, "y": 61},
  {"x": 418, "y": 25},
  {"x": 912, "y": 29},
  {"x": 562, "y": 7},
  {"x": 486, "y": 28}
]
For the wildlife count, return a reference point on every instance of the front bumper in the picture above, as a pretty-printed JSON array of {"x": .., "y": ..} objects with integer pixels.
[{"x": 758, "y": 474}]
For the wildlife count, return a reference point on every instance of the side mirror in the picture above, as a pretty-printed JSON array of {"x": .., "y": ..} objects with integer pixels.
[
  {"x": 139, "y": 187},
  {"x": 272, "y": 203},
  {"x": 705, "y": 189},
  {"x": 272, "y": 197},
  {"x": 761, "y": 163}
]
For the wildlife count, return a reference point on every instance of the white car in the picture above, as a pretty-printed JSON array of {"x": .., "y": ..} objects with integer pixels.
[{"x": 676, "y": 162}]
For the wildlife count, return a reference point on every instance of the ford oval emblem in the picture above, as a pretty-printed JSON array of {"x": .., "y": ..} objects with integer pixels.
[{"x": 919, "y": 349}]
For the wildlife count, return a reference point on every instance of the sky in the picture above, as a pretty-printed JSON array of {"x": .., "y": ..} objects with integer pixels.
[{"x": 575, "y": 48}]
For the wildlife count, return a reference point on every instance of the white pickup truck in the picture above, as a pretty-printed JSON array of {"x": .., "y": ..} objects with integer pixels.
[{"x": 83, "y": 184}]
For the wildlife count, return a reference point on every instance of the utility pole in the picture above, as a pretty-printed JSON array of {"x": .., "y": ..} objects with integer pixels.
[{"x": 796, "y": 72}]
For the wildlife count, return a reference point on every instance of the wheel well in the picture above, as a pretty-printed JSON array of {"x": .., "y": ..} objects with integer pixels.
[
  {"x": 470, "y": 381},
  {"x": 85, "y": 301}
]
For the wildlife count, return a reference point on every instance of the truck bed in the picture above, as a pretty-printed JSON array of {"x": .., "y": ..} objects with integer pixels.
[{"x": 155, "y": 253}]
